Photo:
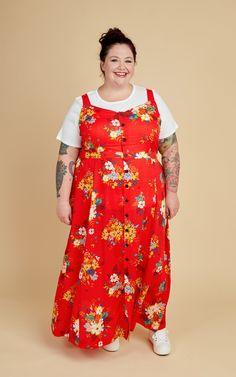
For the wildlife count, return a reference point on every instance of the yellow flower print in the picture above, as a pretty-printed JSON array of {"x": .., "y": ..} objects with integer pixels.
[
  {"x": 167, "y": 269},
  {"x": 120, "y": 332},
  {"x": 154, "y": 244},
  {"x": 130, "y": 231},
  {"x": 86, "y": 183},
  {"x": 113, "y": 231},
  {"x": 69, "y": 295},
  {"x": 143, "y": 112},
  {"x": 86, "y": 115},
  {"x": 55, "y": 312},
  {"x": 90, "y": 269}
]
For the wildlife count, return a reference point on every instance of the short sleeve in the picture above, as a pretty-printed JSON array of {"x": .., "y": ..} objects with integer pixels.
[
  {"x": 168, "y": 123},
  {"x": 70, "y": 132}
]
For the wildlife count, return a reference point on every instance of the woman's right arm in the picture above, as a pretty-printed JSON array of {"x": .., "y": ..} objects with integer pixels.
[{"x": 64, "y": 176}]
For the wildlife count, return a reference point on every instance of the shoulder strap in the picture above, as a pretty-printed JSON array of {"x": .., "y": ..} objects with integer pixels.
[
  {"x": 86, "y": 101},
  {"x": 150, "y": 96}
]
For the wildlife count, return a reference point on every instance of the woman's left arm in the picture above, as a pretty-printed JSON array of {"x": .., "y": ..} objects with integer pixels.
[{"x": 168, "y": 148}]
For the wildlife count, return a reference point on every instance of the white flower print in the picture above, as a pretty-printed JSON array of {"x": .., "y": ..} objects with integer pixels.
[
  {"x": 109, "y": 165},
  {"x": 97, "y": 327},
  {"x": 145, "y": 117},
  {"x": 114, "y": 278},
  {"x": 141, "y": 203},
  {"x": 126, "y": 166},
  {"x": 115, "y": 122},
  {"x": 82, "y": 231},
  {"x": 92, "y": 212},
  {"x": 163, "y": 208}
]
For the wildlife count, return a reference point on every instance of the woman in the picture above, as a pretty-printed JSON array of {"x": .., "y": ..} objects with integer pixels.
[{"x": 117, "y": 198}]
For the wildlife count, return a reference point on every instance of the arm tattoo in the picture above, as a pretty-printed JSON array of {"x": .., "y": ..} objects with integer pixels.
[
  {"x": 60, "y": 172},
  {"x": 170, "y": 161},
  {"x": 63, "y": 148},
  {"x": 71, "y": 167},
  {"x": 165, "y": 143},
  {"x": 61, "y": 168}
]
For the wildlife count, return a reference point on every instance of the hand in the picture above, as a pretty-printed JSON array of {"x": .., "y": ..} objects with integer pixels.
[
  {"x": 172, "y": 204},
  {"x": 63, "y": 211}
]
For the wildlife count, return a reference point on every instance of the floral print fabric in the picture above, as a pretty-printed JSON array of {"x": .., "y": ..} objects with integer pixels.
[{"x": 116, "y": 266}]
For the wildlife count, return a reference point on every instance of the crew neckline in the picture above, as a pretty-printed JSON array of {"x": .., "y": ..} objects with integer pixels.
[{"x": 121, "y": 101}]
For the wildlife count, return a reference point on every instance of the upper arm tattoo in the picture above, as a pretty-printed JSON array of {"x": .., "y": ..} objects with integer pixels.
[
  {"x": 165, "y": 143},
  {"x": 63, "y": 148}
]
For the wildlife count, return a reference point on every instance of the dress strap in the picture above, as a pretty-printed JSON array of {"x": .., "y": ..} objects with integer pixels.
[
  {"x": 150, "y": 96},
  {"x": 86, "y": 101}
]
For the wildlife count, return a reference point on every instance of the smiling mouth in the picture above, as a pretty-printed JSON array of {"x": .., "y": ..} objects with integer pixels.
[{"x": 120, "y": 74}]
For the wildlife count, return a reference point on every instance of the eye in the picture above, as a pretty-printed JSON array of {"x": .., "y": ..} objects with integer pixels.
[{"x": 127, "y": 61}]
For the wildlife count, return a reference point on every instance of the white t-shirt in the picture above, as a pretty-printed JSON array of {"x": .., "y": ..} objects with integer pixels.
[{"x": 70, "y": 132}]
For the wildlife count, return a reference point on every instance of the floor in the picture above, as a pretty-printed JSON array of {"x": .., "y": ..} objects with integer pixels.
[{"x": 202, "y": 336}]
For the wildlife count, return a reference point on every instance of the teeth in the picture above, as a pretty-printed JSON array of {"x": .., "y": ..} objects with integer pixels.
[{"x": 120, "y": 74}]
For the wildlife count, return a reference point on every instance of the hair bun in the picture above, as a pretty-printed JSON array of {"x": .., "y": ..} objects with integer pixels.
[{"x": 111, "y": 34}]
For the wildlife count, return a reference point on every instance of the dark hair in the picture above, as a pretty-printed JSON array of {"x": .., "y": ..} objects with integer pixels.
[{"x": 111, "y": 37}]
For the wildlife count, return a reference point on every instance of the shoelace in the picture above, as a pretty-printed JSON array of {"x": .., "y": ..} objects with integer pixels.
[{"x": 161, "y": 336}]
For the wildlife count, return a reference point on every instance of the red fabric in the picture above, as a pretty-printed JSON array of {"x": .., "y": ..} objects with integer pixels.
[{"x": 116, "y": 266}]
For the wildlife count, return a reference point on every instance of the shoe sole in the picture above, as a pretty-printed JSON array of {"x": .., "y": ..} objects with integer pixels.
[{"x": 110, "y": 350}]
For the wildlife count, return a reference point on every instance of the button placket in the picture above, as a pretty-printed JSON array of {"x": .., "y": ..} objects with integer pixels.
[{"x": 126, "y": 201}]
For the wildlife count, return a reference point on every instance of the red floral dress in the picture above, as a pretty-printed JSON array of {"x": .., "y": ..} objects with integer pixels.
[{"x": 116, "y": 266}]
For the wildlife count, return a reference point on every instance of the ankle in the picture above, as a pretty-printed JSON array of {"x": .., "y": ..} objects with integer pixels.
[{"x": 162, "y": 330}]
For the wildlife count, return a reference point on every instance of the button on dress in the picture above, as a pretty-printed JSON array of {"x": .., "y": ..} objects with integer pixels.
[{"x": 116, "y": 266}]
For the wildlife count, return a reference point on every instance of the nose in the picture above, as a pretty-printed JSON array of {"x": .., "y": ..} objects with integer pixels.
[{"x": 122, "y": 65}]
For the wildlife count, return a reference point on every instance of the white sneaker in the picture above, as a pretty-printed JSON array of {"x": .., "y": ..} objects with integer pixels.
[
  {"x": 113, "y": 346},
  {"x": 160, "y": 341}
]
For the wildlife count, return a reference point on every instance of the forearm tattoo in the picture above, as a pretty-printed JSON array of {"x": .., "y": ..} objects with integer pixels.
[
  {"x": 60, "y": 172},
  {"x": 61, "y": 168},
  {"x": 168, "y": 147}
]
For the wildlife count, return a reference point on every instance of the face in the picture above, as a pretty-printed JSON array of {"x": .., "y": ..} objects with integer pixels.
[{"x": 119, "y": 64}]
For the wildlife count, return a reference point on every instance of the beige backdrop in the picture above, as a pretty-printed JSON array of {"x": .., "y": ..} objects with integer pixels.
[{"x": 50, "y": 54}]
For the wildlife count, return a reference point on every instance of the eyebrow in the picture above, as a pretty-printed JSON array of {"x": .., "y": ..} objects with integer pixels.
[{"x": 113, "y": 56}]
